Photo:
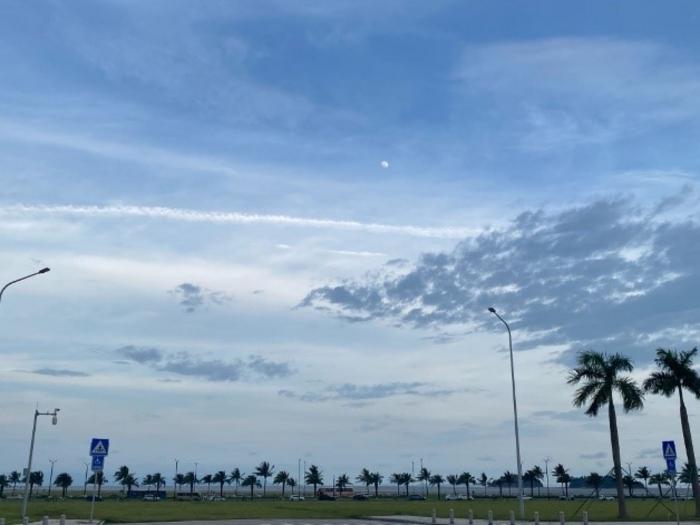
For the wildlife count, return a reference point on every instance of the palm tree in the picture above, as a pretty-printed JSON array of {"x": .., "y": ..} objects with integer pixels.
[
  {"x": 537, "y": 475},
  {"x": 509, "y": 479},
  {"x": 453, "y": 479},
  {"x": 499, "y": 483},
  {"x": 265, "y": 470},
  {"x": 63, "y": 480},
  {"x": 291, "y": 483},
  {"x": 424, "y": 476},
  {"x": 4, "y": 482},
  {"x": 314, "y": 477},
  {"x": 686, "y": 476},
  {"x": 342, "y": 482},
  {"x": 97, "y": 478},
  {"x": 467, "y": 479},
  {"x": 398, "y": 481},
  {"x": 129, "y": 481},
  {"x": 236, "y": 477},
  {"x": 35, "y": 478},
  {"x": 528, "y": 478},
  {"x": 601, "y": 375},
  {"x": 674, "y": 373},
  {"x": 658, "y": 480},
  {"x": 484, "y": 481},
  {"x": 15, "y": 477},
  {"x": 158, "y": 480},
  {"x": 560, "y": 473},
  {"x": 377, "y": 479},
  {"x": 120, "y": 474},
  {"x": 595, "y": 480},
  {"x": 282, "y": 478},
  {"x": 148, "y": 481},
  {"x": 220, "y": 478},
  {"x": 365, "y": 476},
  {"x": 643, "y": 474},
  {"x": 629, "y": 481},
  {"x": 406, "y": 479},
  {"x": 190, "y": 479},
  {"x": 251, "y": 481},
  {"x": 208, "y": 479},
  {"x": 179, "y": 481},
  {"x": 438, "y": 480}
]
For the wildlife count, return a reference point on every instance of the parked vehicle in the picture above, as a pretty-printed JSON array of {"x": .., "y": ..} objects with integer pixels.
[
  {"x": 326, "y": 497},
  {"x": 296, "y": 497},
  {"x": 416, "y": 497},
  {"x": 360, "y": 497},
  {"x": 151, "y": 497}
]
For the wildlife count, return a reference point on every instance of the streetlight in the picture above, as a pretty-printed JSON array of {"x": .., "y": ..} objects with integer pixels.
[
  {"x": 43, "y": 270},
  {"x": 54, "y": 421},
  {"x": 521, "y": 501},
  {"x": 52, "y": 461},
  {"x": 546, "y": 471},
  {"x": 177, "y": 462}
]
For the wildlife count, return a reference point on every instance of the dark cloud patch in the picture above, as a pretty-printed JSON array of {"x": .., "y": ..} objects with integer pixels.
[
  {"x": 57, "y": 372},
  {"x": 361, "y": 394},
  {"x": 609, "y": 275},
  {"x": 140, "y": 355},
  {"x": 186, "y": 364},
  {"x": 192, "y": 297}
]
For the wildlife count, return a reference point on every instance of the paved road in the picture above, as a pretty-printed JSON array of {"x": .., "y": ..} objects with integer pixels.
[{"x": 384, "y": 520}]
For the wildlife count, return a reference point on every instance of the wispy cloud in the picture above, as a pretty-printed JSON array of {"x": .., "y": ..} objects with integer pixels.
[
  {"x": 354, "y": 392},
  {"x": 59, "y": 372},
  {"x": 192, "y": 296},
  {"x": 187, "y": 215}
]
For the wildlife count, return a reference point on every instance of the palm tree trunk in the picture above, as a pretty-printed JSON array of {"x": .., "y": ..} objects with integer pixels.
[
  {"x": 690, "y": 452},
  {"x": 615, "y": 443},
  {"x": 467, "y": 484},
  {"x": 398, "y": 489},
  {"x": 661, "y": 493}
]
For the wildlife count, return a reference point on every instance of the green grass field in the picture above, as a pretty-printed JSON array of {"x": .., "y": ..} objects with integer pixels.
[{"x": 132, "y": 511}]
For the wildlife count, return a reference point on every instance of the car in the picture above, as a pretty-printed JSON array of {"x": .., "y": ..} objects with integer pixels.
[
  {"x": 565, "y": 497},
  {"x": 151, "y": 497},
  {"x": 326, "y": 497},
  {"x": 416, "y": 497},
  {"x": 296, "y": 497},
  {"x": 360, "y": 497},
  {"x": 457, "y": 497},
  {"x": 217, "y": 498},
  {"x": 606, "y": 498}
]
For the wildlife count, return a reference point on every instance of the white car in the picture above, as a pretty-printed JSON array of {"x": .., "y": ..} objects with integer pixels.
[{"x": 296, "y": 497}]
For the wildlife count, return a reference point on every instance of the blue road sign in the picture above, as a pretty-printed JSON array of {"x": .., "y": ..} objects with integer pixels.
[
  {"x": 671, "y": 465},
  {"x": 669, "y": 449},
  {"x": 98, "y": 463},
  {"x": 99, "y": 447}
]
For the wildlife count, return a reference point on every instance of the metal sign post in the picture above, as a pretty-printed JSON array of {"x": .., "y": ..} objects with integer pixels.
[
  {"x": 668, "y": 449},
  {"x": 99, "y": 448}
]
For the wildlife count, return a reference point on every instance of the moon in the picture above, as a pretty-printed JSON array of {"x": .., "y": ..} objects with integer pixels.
[{"x": 384, "y": 164}]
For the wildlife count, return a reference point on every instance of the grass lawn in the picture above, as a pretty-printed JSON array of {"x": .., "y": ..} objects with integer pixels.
[{"x": 113, "y": 510}]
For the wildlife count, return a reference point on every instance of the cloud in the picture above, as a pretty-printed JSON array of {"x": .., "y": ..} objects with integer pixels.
[
  {"x": 186, "y": 215},
  {"x": 605, "y": 275},
  {"x": 216, "y": 370},
  {"x": 56, "y": 372},
  {"x": 361, "y": 393},
  {"x": 192, "y": 296}
]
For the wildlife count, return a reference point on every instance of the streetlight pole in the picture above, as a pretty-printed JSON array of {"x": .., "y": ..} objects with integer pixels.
[
  {"x": 54, "y": 420},
  {"x": 177, "y": 462},
  {"x": 43, "y": 270},
  {"x": 521, "y": 500},
  {"x": 546, "y": 471},
  {"x": 52, "y": 461}
]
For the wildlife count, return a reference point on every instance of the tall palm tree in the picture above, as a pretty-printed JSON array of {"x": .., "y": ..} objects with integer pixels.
[
  {"x": 129, "y": 481},
  {"x": 467, "y": 479},
  {"x": 407, "y": 479},
  {"x": 179, "y": 481},
  {"x": 99, "y": 479},
  {"x": 424, "y": 476},
  {"x": 220, "y": 478},
  {"x": 342, "y": 482},
  {"x": 365, "y": 476},
  {"x": 499, "y": 483},
  {"x": 601, "y": 375},
  {"x": 314, "y": 477},
  {"x": 208, "y": 479},
  {"x": 191, "y": 480},
  {"x": 643, "y": 474},
  {"x": 291, "y": 483},
  {"x": 158, "y": 480},
  {"x": 398, "y": 481},
  {"x": 251, "y": 481},
  {"x": 629, "y": 481},
  {"x": 15, "y": 477},
  {"x": 282, "y": 478},
  {"x": 453, "y": 479},
  {"x": 658, "y": 480},
  {"x": 148, "y": 481},
  {"x": 265, "y": 470},
  {"x": 377, "y": 479},
  {"x": 528, "y": 478},
  {"x": 484, "y": 481},
  {"x": 236, "y": 478},
  {"x": 595, "y": 480},
  {"x": 509, "y": 479},
  {"x": 120, "y": 474},
  {"x": 560, "y": 474},
  {"x": 437, "y": 480},
  {"x": 4, "y": 482},
  {"x": 35, "y": 478},
  {"x": 537, "y": 475},
  {"x": 63, "y": 480},
  {"x": 675, "y": 373}
]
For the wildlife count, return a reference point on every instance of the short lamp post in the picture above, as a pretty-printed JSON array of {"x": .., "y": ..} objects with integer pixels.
[{"x": 54, "y": 421}]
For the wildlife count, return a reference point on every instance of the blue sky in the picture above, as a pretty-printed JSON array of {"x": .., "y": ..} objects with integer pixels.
[{"x": 279, "y": 224}]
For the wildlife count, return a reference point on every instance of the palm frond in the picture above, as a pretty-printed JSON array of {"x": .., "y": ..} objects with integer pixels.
[
  {"x": 619, "y": 363},
  {"x": 585, "y": 392},
  {"x": 663, "y": 383},
  {"x": 632, "y": 395}
]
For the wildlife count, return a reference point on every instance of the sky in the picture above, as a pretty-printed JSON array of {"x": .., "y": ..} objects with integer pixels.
[{"x": 274, "y": 229}]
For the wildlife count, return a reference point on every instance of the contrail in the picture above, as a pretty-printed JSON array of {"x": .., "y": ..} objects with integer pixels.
[{"x": 183, "y": 214}]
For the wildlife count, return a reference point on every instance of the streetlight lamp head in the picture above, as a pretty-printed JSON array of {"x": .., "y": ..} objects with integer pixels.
[
  {"x": 44, "y": 270},
  {"x": 492, "y": 309}
]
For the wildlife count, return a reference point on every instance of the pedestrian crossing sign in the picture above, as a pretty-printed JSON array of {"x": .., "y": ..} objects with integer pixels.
[{"x": 99, "y": 447}]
